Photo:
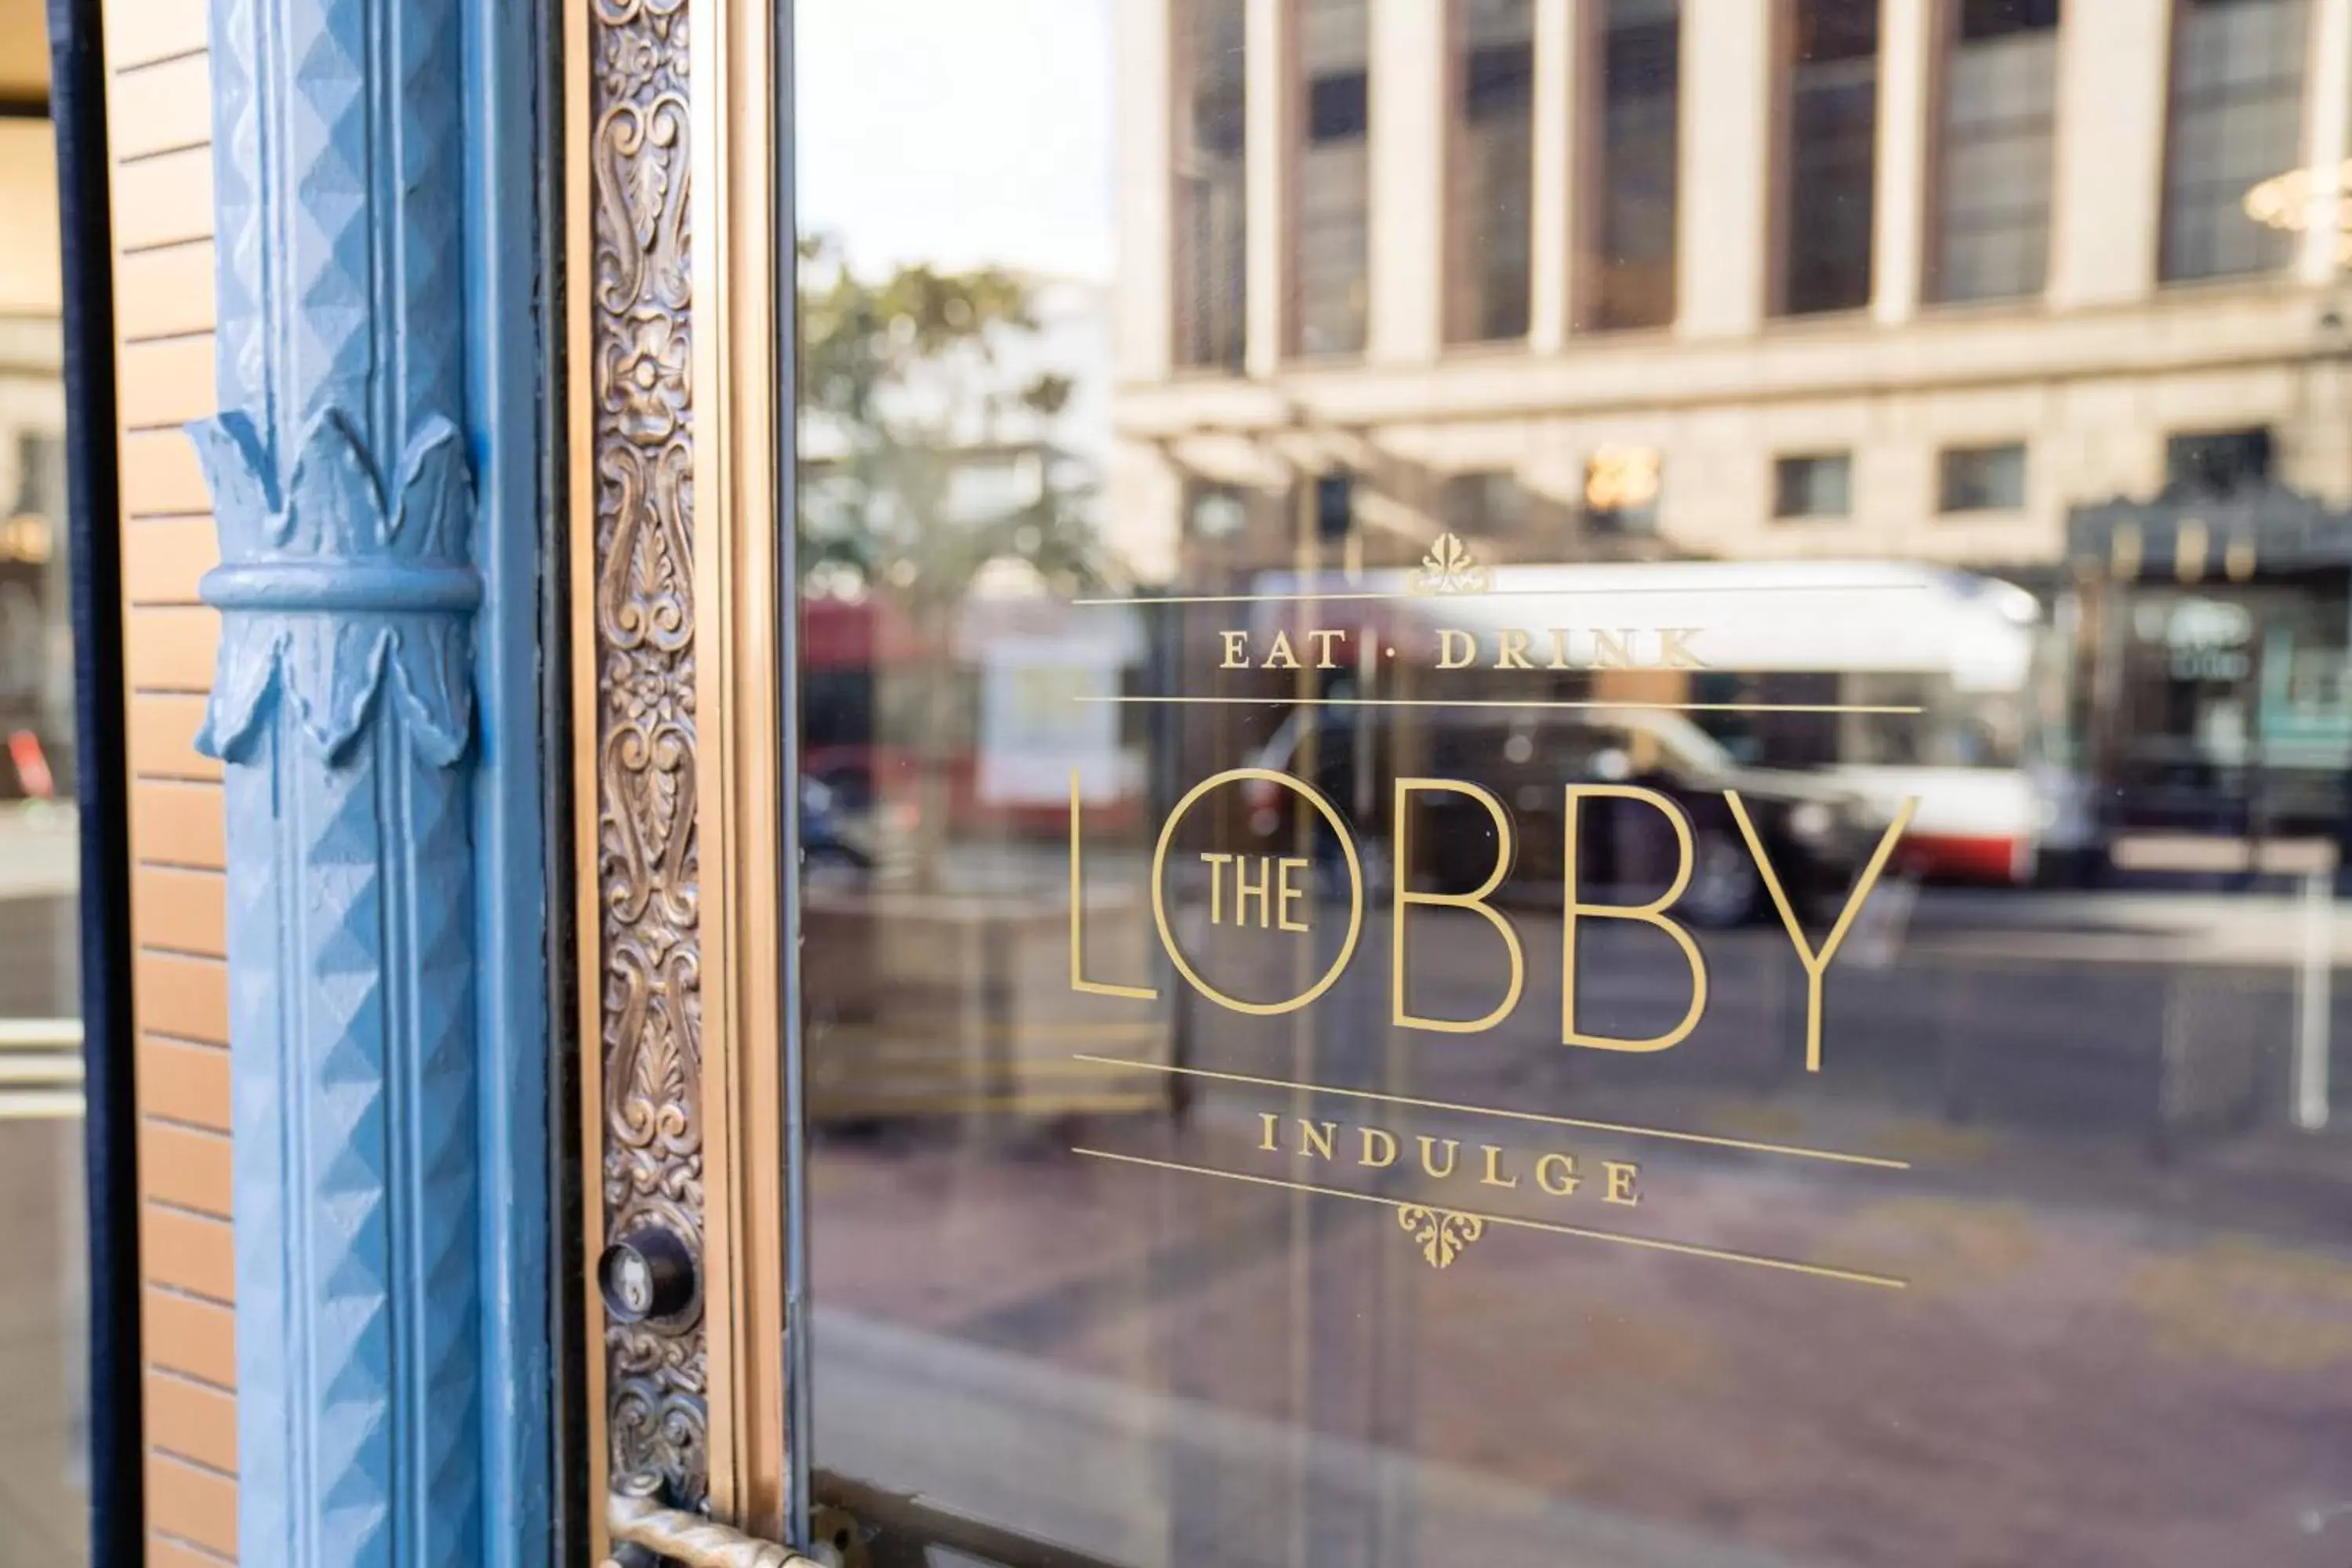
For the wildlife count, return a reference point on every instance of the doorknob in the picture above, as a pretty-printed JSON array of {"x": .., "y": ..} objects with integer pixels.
[{"x": 647, "y": 1534}]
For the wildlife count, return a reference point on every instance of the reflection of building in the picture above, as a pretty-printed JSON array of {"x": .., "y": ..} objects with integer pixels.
[
  {"x": 2211, "y": 687},
  {"x": 1816, "y": 277}
]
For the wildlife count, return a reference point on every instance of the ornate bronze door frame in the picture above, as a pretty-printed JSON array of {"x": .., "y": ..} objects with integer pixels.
[{"x": 678, "y": 253}]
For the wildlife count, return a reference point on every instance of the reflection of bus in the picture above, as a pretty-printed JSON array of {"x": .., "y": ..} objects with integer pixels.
[
  {"x": 935, "y": 795},
  {"x": 1816, "y": 835},
  {"x": 999, "y": 718},
  {"x": 1897, "y": 680}
]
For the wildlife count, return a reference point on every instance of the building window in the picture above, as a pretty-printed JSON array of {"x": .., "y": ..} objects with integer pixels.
[
  {"x": 1999, "y": 115},
  {"x": 1493, "y": 188},
  {"x": 1832, "y": 130},
  {"x": 1211, "y": 236},
  {"x": 1817, "y": 485},
  {"x": 1334, "y": 172},
  {"x": 1620, "y": 490},
  {"x": 1981, "y": 479},
  {"x": 1486, "y": 505},
  {"x": 2236, "y": 120},
  {"x": 1335, "y": 504},
  {"x": 2216, "y": 463},
  {"x": 1629, "y": 260}
]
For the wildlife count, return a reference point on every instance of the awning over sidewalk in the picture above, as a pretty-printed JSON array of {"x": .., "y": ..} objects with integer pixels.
[{"x": 2268, "y": 533}]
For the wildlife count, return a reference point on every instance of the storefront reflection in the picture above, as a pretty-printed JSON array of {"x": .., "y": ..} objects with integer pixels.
[
  {"x": 1695, "y": 949},
  {"x": 44, "y": 1306}
]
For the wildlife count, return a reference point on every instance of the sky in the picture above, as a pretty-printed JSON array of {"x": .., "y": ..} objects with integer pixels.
[{"x": 959, "y": 132}]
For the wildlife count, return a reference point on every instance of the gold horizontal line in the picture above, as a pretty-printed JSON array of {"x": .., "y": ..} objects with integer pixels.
[
  {"x": 888, "y": 1065},
  {"x": 1245, "y": 598},
  {"x": 1522, "y": 702},
  {"x": 1795, "y": 1151},
  {"x": 824, "y": 1103},
  {"x": 1646, "y": 1243},
  {"x": 1360, "y": 596},
  {"x": 956, "y": 1034}
]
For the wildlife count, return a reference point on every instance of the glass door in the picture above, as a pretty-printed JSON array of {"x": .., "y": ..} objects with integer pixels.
[{"x": 1570, "y": 782}]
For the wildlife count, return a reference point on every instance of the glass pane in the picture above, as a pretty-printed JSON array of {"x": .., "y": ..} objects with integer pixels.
[
  {"x": 1333, "y": 170},
  {"x": 2237, "y": 108},
  {"x": 1703, "y": 946},
  {"x": 44, "y": 1487},
  {"x": 1491, "y": 180},
  {"x": 1629, "y": 255}
]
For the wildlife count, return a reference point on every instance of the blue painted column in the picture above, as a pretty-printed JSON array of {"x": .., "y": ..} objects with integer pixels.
[{"x": 387, "y": 1043}]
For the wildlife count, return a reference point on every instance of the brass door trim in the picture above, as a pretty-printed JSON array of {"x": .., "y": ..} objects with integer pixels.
[
  {"x": 738, "y": 483},
  {"x": 676, "y": 711},
  {"x": 635, "y": 632}
]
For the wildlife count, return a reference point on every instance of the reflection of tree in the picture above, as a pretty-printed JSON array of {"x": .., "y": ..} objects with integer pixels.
[{"x": 904, "y": 388}]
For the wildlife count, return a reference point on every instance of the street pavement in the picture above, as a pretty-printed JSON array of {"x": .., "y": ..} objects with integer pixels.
[
  {"x": 43, "y": 1306},
  {"x": 2123, "y": 1341}
]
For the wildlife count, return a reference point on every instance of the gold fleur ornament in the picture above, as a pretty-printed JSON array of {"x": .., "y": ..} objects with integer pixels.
[
  {"x": 1441, "y": 1233},
  {"x": 1449, "y": 568}
]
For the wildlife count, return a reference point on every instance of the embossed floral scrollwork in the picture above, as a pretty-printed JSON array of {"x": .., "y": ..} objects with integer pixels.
[
  {"x": 657, "y": 1424},
  {"x": 629, "y": 63},
  {"x": 643, "y": 612},
  {"x": 642, "y": 378},
  {"x": 641, "y": 176},
  {"x": 646, "y": 557},
  {"x": 648, "y": 764}
]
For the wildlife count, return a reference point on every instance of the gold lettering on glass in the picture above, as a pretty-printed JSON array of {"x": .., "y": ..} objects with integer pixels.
[
  {"x": 1817, "y": 964},
  {"x": 1078, "y": 980},
  {"x": 1473, "y": 900},
  {"x": 1653, "y": 913},
  {"x": 1331, "y": 819},
  {"x": 1262, "y": 893}
]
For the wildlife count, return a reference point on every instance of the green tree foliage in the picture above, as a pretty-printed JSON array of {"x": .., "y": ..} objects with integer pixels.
[{"x": 902, "y": 383}]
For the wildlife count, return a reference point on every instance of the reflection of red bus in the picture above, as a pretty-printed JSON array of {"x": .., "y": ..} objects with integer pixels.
[
  {"x": 879, "y": 707},
  {"x": 846, "y": 648},
  {"x": 31, "y": 765}
]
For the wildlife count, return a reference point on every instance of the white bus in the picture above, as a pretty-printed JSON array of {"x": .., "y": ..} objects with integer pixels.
[{"x": 1897, "y": 680}]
